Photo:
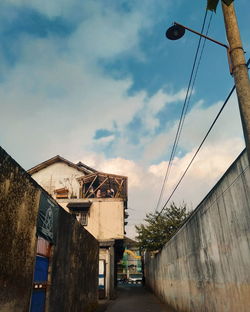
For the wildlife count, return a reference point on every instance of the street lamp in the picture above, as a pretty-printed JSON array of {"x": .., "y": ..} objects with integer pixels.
[
  {"x": 177, "y": 31},
  {"x": 236, "y": 59}
]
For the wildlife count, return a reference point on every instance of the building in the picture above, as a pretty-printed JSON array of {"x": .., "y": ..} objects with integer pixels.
[
  {"x": 130, "y": 266},
  {"x": 98, "y": 200}
]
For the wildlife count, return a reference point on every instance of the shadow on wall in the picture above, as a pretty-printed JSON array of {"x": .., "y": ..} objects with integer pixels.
[
  {"x": 74, "y": 267},
  {"x": 205, "y": 266},
  {"x": 74, "y": 262}
]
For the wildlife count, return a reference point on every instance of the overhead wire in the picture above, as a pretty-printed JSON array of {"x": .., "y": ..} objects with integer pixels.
[
  {"x": 198, "y": 149},
  {"x": 177, "y": 185},
  {"x": 200, "y": 57},
  {"x": 184, "y": 111}
]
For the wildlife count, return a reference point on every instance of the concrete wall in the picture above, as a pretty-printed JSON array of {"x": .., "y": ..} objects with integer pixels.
[
  {"x": 19, "y": 201},
  {"x": 74, "y": 275},
  {"x": 105, "y": 216},
  {"x": 75, "y": 259},
  {"x": 104, "y": 254},
  {"x": 206, "y": 265}
]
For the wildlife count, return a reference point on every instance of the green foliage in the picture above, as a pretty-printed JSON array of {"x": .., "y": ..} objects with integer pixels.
[
  {"x": 212, "y": 4},
  {"x": 159, "y": 228}
]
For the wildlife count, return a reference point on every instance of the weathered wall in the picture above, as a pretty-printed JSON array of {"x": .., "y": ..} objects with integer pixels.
[
  {"x": 59, "y": 175},
  {"x": 75, "y": 259},
  {"x": 205, "y": 266},
  {"x": 104, "y": 254},
  {"x": 100, "y": 222},
  {"x": 19, "y": 201},
  {"x": 106, "y": 216},
  {"x": 74, "y": 275}
]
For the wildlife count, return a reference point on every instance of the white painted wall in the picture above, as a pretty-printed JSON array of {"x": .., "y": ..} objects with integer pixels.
[
  {"x": 57, "y": 176},
  {"x": 106, "y": 215}
]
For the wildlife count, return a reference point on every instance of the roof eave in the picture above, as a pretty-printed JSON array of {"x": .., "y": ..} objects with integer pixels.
[{"x": 55, "y": 159}]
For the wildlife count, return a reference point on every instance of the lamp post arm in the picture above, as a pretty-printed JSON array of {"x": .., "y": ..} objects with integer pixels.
[
  {"x": 213, "y": 40},
  {"x": 199, "y": 34}
]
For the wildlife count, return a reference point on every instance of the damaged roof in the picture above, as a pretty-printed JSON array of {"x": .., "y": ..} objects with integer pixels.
[{"x": 79, "y": 166}]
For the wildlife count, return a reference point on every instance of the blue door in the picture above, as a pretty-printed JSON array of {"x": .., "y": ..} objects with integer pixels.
[{"x": 39, "y": 284}]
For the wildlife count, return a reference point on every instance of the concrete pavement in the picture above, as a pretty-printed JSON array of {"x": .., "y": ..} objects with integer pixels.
[{"x": 136, "y": 298}]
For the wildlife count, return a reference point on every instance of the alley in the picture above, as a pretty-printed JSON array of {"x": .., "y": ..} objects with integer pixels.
[{"x": 136, "y": 298}]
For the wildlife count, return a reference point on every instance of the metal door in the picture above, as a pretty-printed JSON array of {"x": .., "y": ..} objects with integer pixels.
[{"x": 39, "y": 284}]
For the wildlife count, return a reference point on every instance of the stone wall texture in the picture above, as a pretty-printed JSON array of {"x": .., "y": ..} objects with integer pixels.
[
  {"x": 74, "y": 261},
  {"x": 206, "y": 265},
  {"x": 19, "y": 201},
  {"x": 74, "y": 277}
]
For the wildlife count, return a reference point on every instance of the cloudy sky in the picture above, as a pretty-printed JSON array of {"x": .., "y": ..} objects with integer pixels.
[{"x": 97, "y": 81}]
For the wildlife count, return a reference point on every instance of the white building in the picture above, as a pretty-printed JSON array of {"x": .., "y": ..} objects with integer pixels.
[{"x": 98, "y": 200}]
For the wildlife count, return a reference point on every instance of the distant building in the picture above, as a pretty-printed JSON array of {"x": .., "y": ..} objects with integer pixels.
[
  {"x": 98, "y": 200},
  {"x": 130, "y": 265}
]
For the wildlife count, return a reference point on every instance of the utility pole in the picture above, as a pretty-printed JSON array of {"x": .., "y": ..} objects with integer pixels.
[{"x": 239, "y": 69}]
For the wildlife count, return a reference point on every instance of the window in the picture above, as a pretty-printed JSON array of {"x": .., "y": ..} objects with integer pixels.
[
  {"x": 83, "y": 218},
  {"x": 62, "y": 193}
]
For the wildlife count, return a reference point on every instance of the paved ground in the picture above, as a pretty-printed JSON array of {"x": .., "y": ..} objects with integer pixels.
[{"x": 135, "y": 298}]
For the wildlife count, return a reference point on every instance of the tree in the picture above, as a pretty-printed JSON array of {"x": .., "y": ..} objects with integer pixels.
[{"x": 160, "y": 227}]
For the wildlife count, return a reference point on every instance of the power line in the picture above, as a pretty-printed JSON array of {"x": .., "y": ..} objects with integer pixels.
[
  {"x": 198, "y": 149},
  {"x": 182, "y": 117},
  {"x": 199, "y": 61},
  {"x": 184, "y": 110},
  {"x": 195, "y": 76}
]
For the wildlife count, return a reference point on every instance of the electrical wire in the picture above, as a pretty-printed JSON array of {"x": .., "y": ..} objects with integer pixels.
[
  {"x": 199, "y": 61},
  {"x": 198, "y": 149},
  {"x": 183, "y": 113}
]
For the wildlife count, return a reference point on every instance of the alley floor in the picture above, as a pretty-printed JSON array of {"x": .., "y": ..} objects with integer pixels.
[{"x": 136, "y": 298}]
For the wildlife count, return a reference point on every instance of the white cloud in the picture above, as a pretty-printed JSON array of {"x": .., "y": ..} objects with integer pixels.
[
  {"x": 101, "y": 37},
  {"x": 144, "y": 183},
  {"x": 57, "y": 95},
  {"x": 61, "y": 82},
  {"x": 73, "y": 99},
  {"x": 209, "y": 164},
  {"x": 47, "y": 7},
  {"x": 155, "y": 104},
  {"x": 196, "y": 125}
]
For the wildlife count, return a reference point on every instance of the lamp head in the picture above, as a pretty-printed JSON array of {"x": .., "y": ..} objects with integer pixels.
[{"x": 175, "y": 32}]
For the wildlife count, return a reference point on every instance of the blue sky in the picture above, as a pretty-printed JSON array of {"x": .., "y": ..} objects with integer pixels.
[{"x": 97, "y": 81}]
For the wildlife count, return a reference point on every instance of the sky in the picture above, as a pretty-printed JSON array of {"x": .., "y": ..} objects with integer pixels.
[{"x": 97, "y": 81}]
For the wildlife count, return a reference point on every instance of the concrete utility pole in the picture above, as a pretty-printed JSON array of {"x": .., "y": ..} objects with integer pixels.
[{"x": 239, "y": 69}]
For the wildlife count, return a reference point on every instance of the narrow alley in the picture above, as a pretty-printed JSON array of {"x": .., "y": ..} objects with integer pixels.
[{"x": 136, "y": 298}]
